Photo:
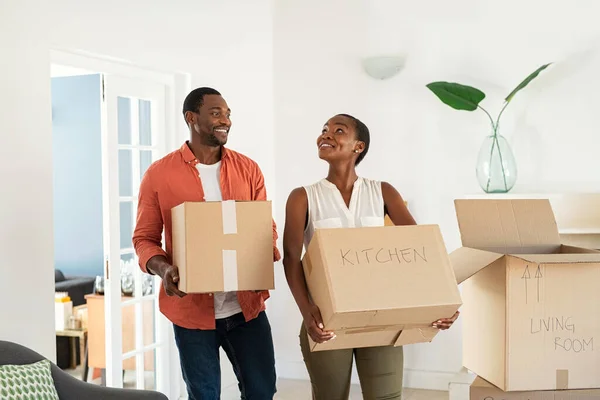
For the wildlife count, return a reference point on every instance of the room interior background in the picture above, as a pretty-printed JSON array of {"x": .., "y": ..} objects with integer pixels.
[{"x": 285, "y": 67}]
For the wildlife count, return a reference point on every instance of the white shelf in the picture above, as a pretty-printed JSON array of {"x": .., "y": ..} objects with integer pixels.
[
  {"x": 517, "y": 195},
  {"x": 579, "y": 231}
]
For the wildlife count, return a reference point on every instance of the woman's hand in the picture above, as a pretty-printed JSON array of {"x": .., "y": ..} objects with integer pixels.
[
  {"x": 314, "y": 325},
  {"x": 445, "y": 323}
]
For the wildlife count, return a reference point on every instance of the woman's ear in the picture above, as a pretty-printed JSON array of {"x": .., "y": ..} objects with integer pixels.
[{"x": 359, "y": 147}]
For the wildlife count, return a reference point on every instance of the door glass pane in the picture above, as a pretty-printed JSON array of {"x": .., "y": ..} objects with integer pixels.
[
  {"x": 125, "y": 173},
  {"x": 149, "y": 284},
  {"x": 128, "y": 270},
  {"x": 149, "y": 328},
  {"x": 128, "y": 258},
  {"x": 126, "y": 224},
  {"x": 129, "y": 378},
  {"x": 145, "y": 161},
  {"x": 124, "y": 120},
  {"x": 150, "y": 370},
  {"x": 128, "y": 332},
  {"x": 145, "y": 122}
]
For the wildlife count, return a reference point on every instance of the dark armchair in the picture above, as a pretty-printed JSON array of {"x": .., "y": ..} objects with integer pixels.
[
  {"x": 69, "y": 388},
  {"x": 77, "y": 287}
]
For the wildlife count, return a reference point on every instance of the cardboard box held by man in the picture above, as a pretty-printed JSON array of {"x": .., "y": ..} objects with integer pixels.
[{"x": 223, "y": 246}]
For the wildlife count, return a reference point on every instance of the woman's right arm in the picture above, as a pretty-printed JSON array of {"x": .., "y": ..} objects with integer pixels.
[{"x": 293, "y": 238}]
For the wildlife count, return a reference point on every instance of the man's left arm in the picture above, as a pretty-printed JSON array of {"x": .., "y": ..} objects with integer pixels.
[{"x": 260, "y": 194}]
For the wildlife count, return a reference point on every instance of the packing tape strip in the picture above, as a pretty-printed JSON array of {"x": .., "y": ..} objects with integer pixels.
[
  {"x": 229, "y": 217},
  {"x": 562, "y": 379},
  {"x": 230, "y": 273}
]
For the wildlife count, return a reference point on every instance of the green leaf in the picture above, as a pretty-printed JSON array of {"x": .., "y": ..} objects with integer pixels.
[
  {"x": 526, "y": 81},
  {"x": 457, "y": 96}
]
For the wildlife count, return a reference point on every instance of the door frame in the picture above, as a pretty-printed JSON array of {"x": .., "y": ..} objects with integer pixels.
[{"x": 178, "y": 85}]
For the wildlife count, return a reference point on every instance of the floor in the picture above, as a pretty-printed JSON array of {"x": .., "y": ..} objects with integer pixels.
[
  {"x": 288, "y": 389},
  {"x": 300, "y": 390}
]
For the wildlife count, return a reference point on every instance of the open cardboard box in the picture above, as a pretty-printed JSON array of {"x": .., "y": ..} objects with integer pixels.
[
  {"x": 222, "y": 246},
  {"x": 482, "y": 390},
  {"x": 380, "y": 286},
  {"x": 531, "y": 313}
]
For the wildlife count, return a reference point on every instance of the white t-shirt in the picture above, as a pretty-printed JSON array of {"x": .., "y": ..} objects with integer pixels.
[{"x": 226, "y": 304}]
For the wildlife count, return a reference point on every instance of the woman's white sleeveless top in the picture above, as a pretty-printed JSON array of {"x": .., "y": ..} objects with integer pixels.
[{"x": 327, "y": 209}]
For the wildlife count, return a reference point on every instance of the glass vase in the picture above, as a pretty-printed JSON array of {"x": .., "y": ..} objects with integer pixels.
[{"x": 496, "y": 165}]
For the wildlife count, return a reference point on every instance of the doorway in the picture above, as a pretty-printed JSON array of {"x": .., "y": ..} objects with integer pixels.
[{"x": 110, "y": 122}]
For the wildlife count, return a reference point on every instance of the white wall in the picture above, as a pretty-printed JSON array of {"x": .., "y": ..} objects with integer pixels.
[
  {"x": 424, "y": 148},
  {"x": 27, "y": 284},
  {"x": 226, "y": 45}
]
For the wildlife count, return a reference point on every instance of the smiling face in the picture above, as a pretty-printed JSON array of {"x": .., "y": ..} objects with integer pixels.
[
  {"x": 338, "y": 141},
  {"x": 212, "y": 121}
]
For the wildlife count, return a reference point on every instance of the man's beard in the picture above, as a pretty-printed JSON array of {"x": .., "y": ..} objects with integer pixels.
[
  {"x": 213, "y": 141},
  {"x": 210, "y": 139}
]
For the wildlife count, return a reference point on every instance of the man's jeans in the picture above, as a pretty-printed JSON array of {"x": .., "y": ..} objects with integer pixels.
[{"x": 249, "y": 347}]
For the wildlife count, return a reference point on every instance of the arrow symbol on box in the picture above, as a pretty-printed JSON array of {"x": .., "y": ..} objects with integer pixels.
[
  {"x": 526, "y": 276},
  {"x": 538, "y": 276}
]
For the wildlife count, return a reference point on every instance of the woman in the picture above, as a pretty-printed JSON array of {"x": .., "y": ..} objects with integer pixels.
[{"x": 341, "y": 200}]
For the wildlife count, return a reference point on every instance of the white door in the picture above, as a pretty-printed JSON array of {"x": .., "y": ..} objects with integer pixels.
[{"x": 134, "y": 114}]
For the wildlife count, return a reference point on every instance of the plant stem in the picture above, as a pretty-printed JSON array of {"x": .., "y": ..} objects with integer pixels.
[
  {"x": 490, "y": 117},
  {"x": 501, "y": 163},
  {"x": 494, "y": 143},
  {"x": 499, "y": 115},
  {"x": 499, "y": 150},
  {"x": 487, "y": 187}
]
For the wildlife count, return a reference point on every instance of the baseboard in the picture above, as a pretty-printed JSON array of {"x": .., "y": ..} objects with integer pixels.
[
  {"x": 434, "y": 380},
  {"x": 291, "y": 370},
  {"x": 414, "y": 379}
]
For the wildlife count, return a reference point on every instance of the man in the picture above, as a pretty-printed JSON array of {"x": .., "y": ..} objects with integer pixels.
[{"x": 204, "y": 170}]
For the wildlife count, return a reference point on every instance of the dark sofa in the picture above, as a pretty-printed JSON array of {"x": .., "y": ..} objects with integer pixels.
[
  {"x": 69, "y": 388},
  {"x": 77, "y": 287}
]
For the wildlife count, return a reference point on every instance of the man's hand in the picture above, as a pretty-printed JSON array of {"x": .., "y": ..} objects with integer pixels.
[
  {"x": 170, "y": 281},
  {"x": 445, "y": 323},
  {"x": 169, "y": 273},
  {"x": 314, "y": 325}
]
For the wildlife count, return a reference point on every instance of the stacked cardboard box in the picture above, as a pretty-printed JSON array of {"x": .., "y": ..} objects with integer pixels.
[
  {"x": 380, "y": 286},
  {"x": 531, "y": 319},
  {"x": 483, "y": 390}
]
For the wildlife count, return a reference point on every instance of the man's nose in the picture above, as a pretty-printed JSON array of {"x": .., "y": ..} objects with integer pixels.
[{"x": 224, "y": 120}]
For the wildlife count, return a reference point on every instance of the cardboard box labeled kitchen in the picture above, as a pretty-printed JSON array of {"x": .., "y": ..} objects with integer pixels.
[
  {"x": 380, "y": 286},
  {"x": 223, "y": 246},
  {"x": 483, "y": 390},
  {"x": 530, "y": 315}
]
